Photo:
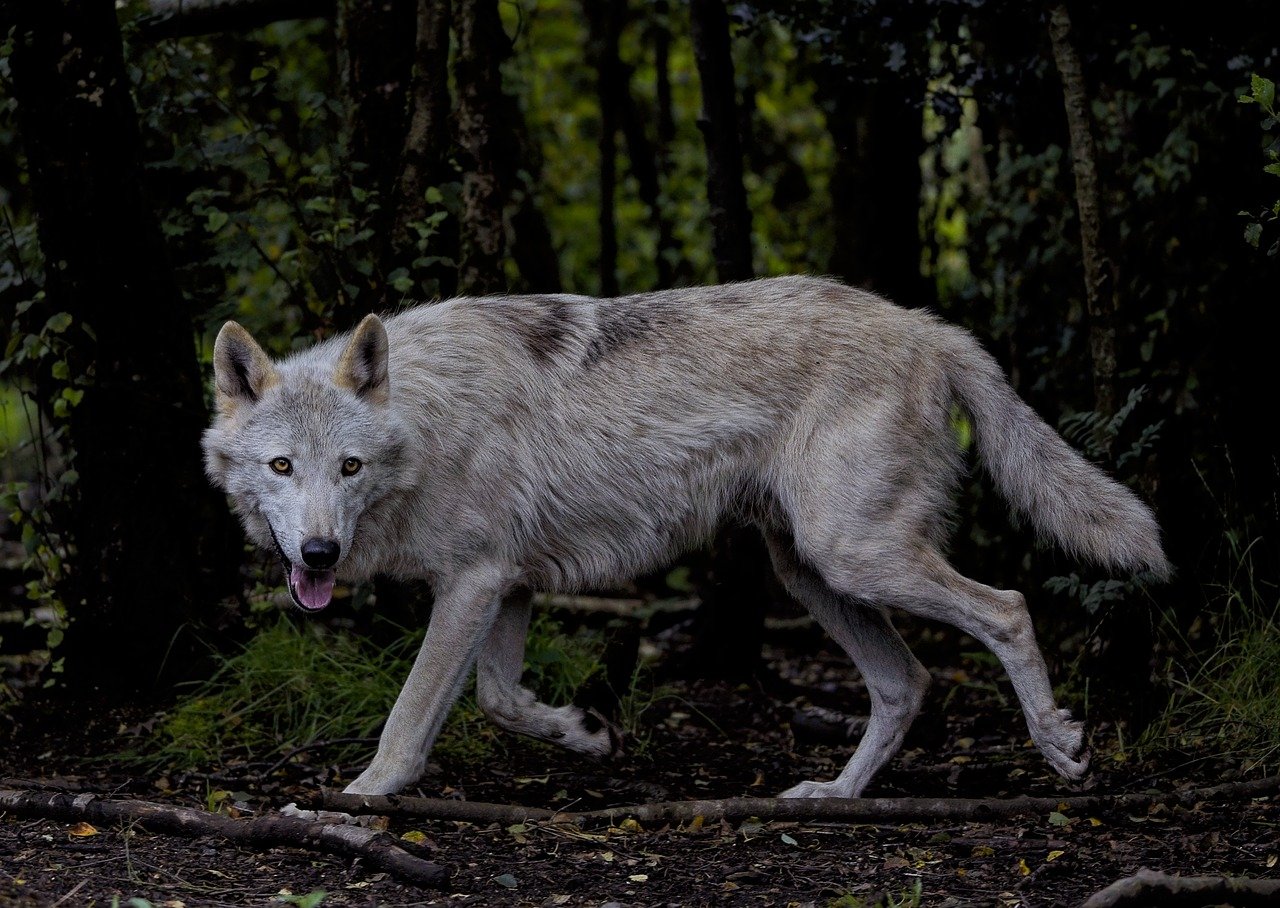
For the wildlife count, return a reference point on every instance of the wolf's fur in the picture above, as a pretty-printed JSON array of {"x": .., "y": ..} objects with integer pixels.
[{"x": 560, "y": 442}]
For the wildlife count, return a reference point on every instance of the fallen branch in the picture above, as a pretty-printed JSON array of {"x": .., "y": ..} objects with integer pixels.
[
  {"x": 1147, "y": 887},
  {"x": 376, "y": 848},
  {"x": 829, "y": 810}
]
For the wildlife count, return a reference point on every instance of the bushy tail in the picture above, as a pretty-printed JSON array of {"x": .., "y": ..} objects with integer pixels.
[{"x": 1066, "y": 498}]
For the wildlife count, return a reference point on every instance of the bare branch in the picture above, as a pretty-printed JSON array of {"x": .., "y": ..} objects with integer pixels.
[
  {"x": 377, "y": 848},
  {"x": 1148, "y": 887},
  {"x": 830, "y": 810}
]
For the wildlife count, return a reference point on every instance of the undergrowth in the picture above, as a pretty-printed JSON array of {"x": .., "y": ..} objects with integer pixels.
[
  {"x": 1227, "y": 699},
  {"x": 298, "y": 683}
]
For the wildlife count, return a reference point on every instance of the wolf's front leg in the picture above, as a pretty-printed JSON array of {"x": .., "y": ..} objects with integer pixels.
[
  {"x": 464, "y": 611},
  {"x": 515, "y": 708}
]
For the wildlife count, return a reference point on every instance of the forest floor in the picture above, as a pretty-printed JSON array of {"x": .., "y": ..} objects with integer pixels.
[{"x": 695, "y": 740}]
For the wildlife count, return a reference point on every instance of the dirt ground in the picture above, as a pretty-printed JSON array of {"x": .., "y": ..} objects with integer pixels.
[{"x": 697, "y": 740}]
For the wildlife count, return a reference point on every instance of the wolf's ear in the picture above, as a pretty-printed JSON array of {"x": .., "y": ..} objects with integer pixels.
[
  {"x": 363, "y": 365},
  {"x": 241, "y": 369}
]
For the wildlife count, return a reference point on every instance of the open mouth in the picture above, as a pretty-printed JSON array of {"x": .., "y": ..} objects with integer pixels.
[{"x": 311, "y": 590}]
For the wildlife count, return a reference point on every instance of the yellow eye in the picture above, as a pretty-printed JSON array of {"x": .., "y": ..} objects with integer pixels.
[
  {"x": 351, "y": 466},
  {"x": 282, "y": 466}
]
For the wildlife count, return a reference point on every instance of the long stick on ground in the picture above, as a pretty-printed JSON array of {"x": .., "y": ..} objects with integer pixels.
[
  {"x": 830, "y": 810},
  {"x": 1147, "y": 887},
  {"x": 376, "y": 848}
]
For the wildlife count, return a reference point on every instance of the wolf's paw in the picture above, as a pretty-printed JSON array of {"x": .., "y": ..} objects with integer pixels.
[
  {"x": 816, "y": 790},
  {"x": 1061, "y": 740},
  {"x": 377, "y": 780},
  {"x": 596, "y": 736}
]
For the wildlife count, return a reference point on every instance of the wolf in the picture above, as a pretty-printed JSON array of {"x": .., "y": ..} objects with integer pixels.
[{"x": 498, "y": 445}]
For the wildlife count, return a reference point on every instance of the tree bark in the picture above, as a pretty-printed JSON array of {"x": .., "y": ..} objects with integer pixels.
[
  {"x": 1099, "y": 269},
  {"x": 375, "y": 65},
  {"x": 730, "y": 216},
  {"x": 604, "y": 18},
  {"x": 482, "y": 47},
  {"x": 147, "y": 527},
  {"x": 425, "y": 164}
]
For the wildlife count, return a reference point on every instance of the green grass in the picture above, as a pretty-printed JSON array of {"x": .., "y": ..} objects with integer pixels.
[
  {"x": 296, "y": 683},
  {"x": 1227, "y": 702}
]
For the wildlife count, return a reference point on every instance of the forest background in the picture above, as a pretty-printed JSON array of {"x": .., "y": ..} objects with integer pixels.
[{"x": 1089, "y": 187}]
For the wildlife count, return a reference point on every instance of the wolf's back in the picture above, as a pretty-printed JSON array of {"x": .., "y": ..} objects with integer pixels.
[{"x": 1065, "y": 497}]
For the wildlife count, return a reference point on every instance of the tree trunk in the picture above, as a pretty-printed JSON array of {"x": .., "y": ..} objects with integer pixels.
[
  {"x": 878, "y": 131},
  {"x": 604, "y": 18},
  {"x": 730, "y": 624},
  {"x": 1099, "y": 269},
  {"x": 146, "y": 525},
  {"x": 730, "y": 217},
  {"x": 482, "y": 47},
  {"x": 425, "y": 165},
  {"x": 375, "y": 62}
]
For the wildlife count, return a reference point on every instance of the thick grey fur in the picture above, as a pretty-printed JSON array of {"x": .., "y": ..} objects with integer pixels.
[{"x": 561, "y": 442}]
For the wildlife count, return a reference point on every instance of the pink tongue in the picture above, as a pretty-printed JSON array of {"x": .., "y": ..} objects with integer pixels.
[{"x": 313, "y": 589}]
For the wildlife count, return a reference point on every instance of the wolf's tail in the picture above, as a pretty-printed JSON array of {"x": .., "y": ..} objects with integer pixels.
[{"x": 1066, "y": 498}]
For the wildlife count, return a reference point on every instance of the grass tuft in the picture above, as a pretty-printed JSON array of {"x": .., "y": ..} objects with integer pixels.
[
  {"x": 298, "y": 683},
  {"x": 1228, "y": 703}
]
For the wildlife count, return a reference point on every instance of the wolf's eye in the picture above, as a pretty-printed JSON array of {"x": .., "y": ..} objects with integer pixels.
[
  {"x": 351, "y": 466},
  {"x": 282, "y": 466}
]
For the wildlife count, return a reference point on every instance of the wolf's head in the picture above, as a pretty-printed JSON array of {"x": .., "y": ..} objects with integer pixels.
[{"x": 304, "y": 448}]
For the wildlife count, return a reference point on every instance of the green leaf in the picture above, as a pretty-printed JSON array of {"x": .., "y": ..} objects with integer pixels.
[
  {"x": 787, "y": 840},
  {"x": 61, "y": 370},
  {"x": 1253, "y": 234},
  {"x": 54, "y": 638},
  {"x": 216, "y": 220},
  {"x": 1058, "y": 819},
  {"x": 1264, "y": 91},
  {"x": 58, "y": 322},
  {"x": 258, "y": 72},
  {"x": 73, "y": 396},
  {"x": 1273, "y": 168},
  {"x": 506, "y": 880}
]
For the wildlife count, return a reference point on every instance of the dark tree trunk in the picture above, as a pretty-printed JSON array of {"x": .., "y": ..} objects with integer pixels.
[
  {"x": 147, "y": 526},
  {"x": 484, "y": 141},
  {"x": 730, "y": 217},
  {"x": 878, "y": 131},
  {"x": 662, "y": 79},
  {"x": 731, "y": 619},
  {"x": 604, "y": 18},
  {"x": 425, "y": 164},
  {"x": 375, "y": 62},
  {"x": 1125, "y": 630},
  {"x": 1099, "y": 268}
]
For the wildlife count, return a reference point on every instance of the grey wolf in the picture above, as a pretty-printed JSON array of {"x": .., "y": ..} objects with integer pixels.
[{"x": 502, "y": 444}]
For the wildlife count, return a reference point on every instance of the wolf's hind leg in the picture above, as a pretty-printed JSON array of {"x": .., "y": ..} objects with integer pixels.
[
  {"x": 926, "y": 585},
  {"x": 515, "y": 708},
  {"x": 895, "y": 679}
]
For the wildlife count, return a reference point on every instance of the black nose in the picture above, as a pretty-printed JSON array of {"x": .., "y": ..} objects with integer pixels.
[{"x": 320, "y": 553}]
